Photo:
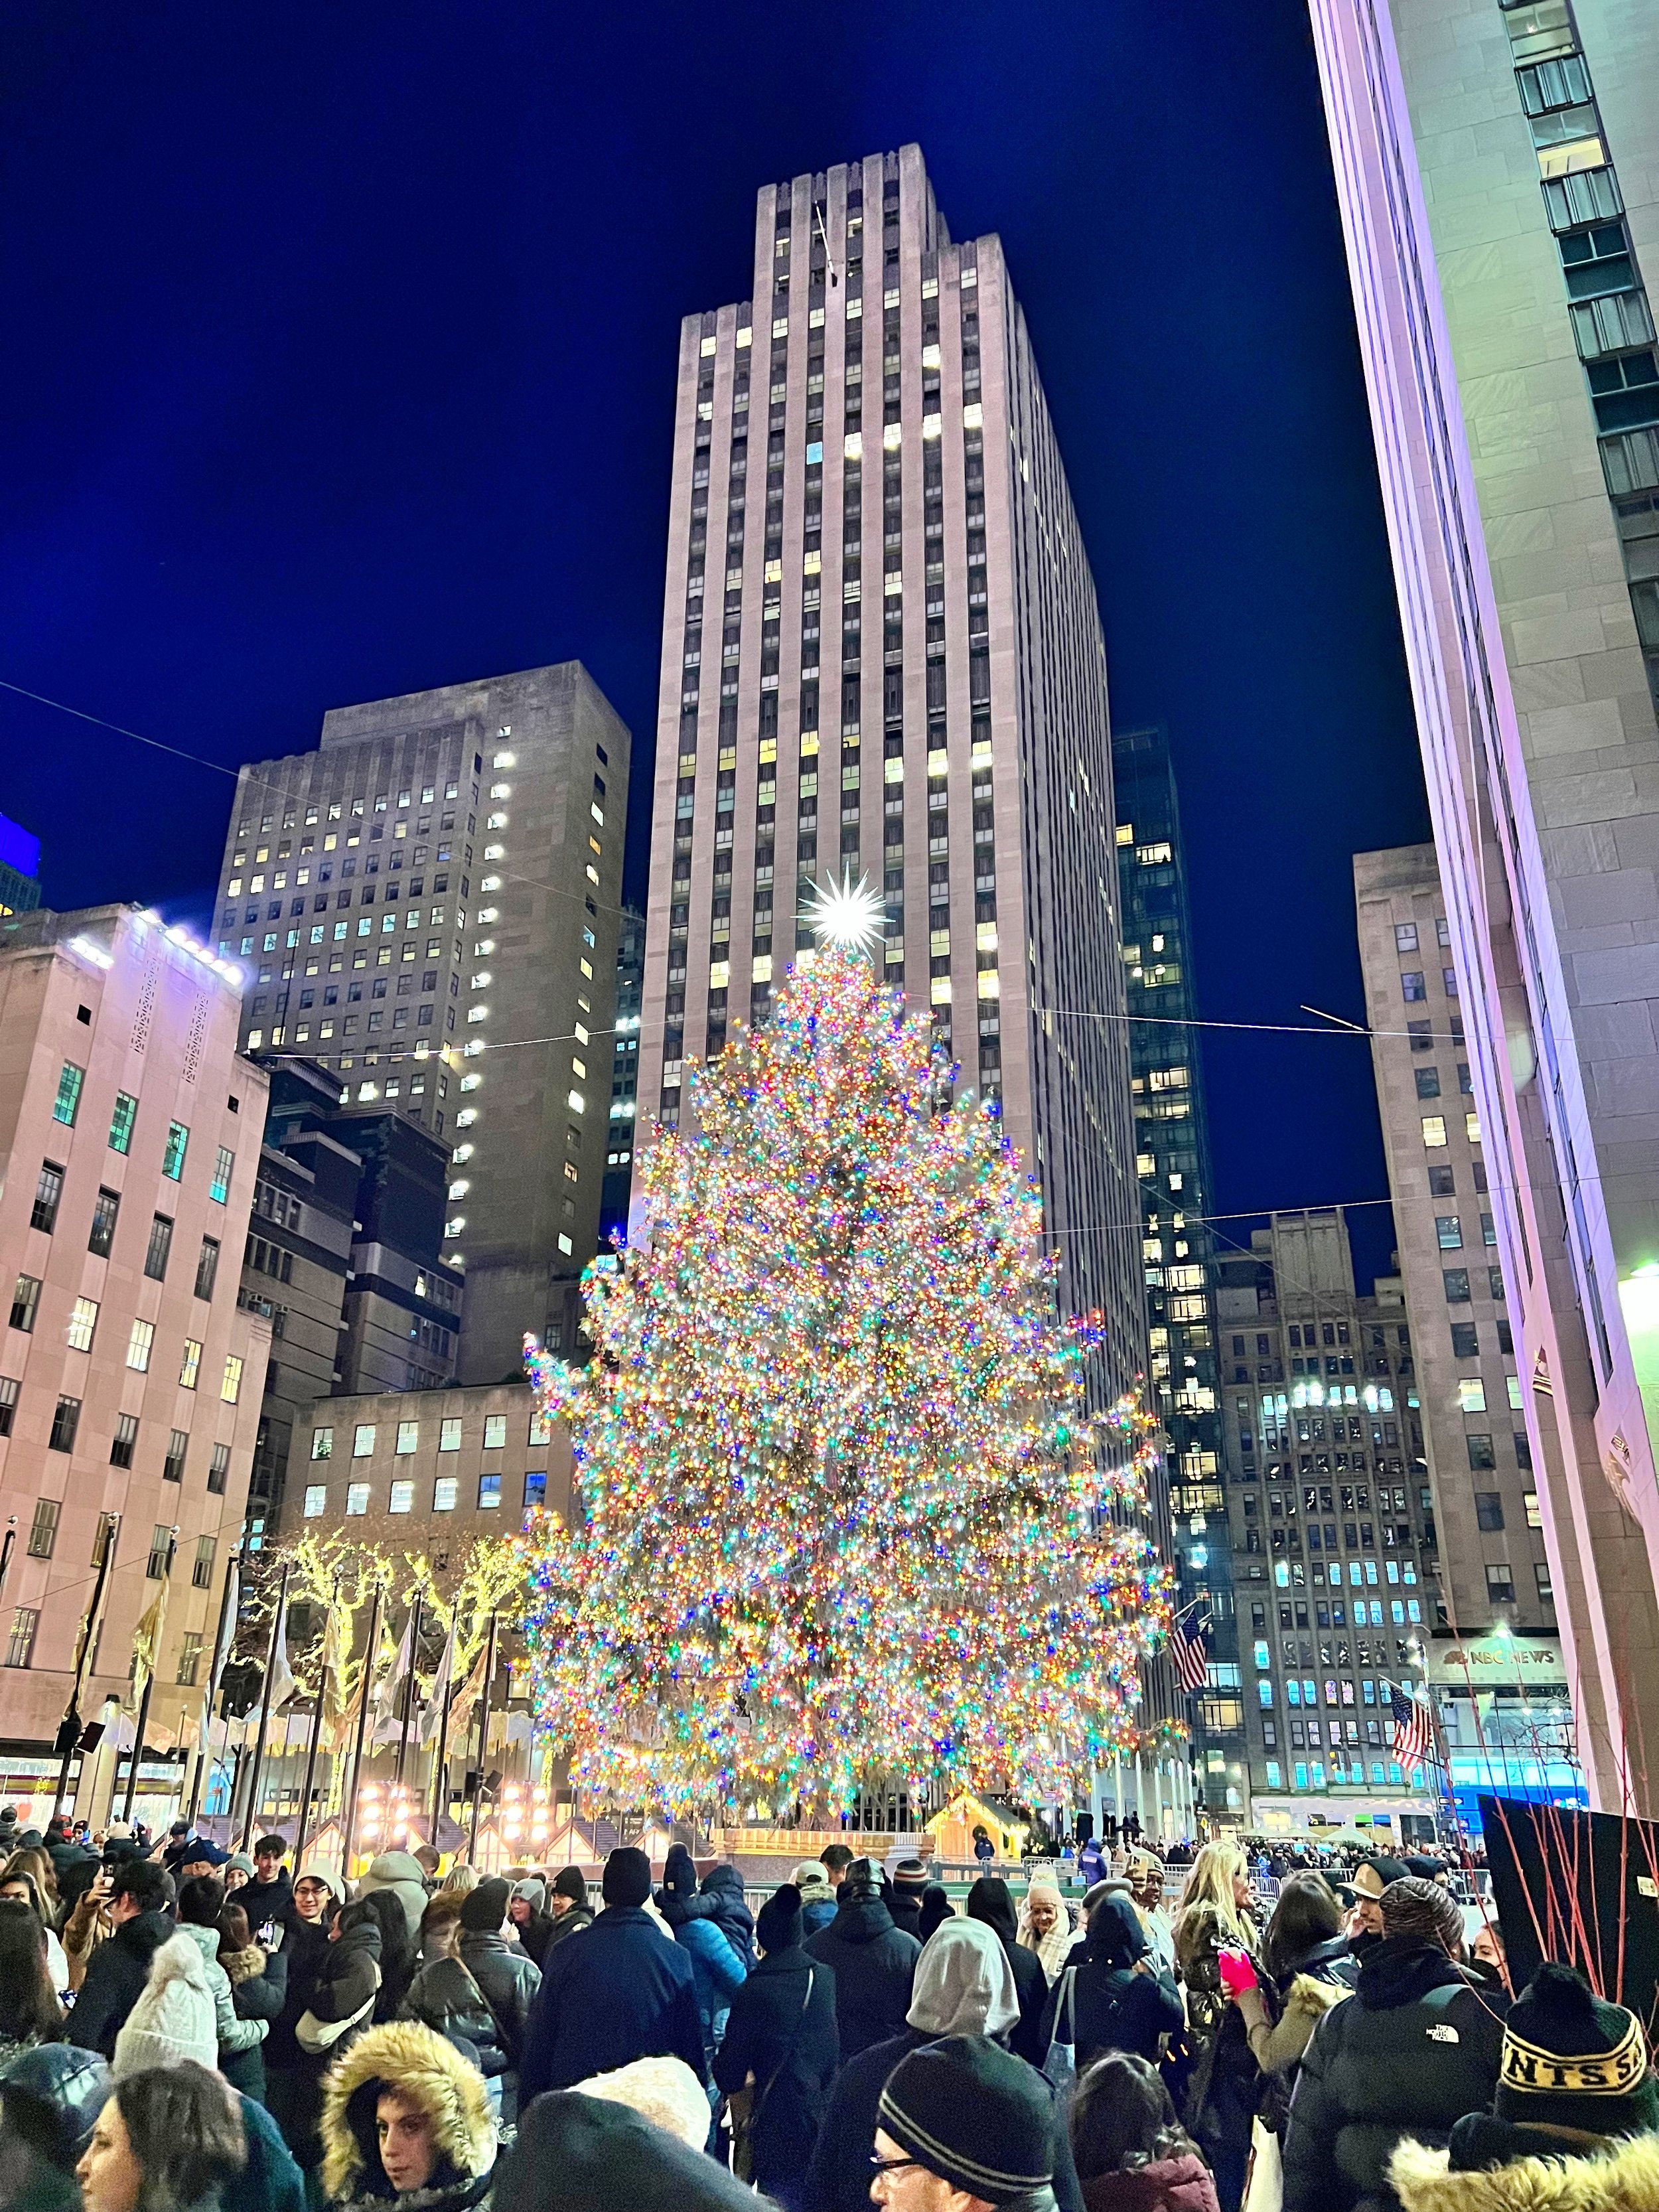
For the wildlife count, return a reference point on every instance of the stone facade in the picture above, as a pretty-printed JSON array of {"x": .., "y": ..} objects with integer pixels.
[{"x": 130, "y": 1373}]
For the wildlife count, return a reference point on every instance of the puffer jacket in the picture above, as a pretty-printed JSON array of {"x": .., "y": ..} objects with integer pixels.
[
  {"x": 723, "y": 1886},
  {"x": 237, "y": 2037},
  {"x": 507, "y": 1978},
  {"x": 346, "y": 1978},
  {"x": 1180, "y": 2183},
  {"x": 1623, "y": 2177},
  {"x": 429, "y": 2073},
  {"x": 258, "y": 1990},
  {"x": 1415, "y": 2048},
  {"x": 443, "y": 1997}
]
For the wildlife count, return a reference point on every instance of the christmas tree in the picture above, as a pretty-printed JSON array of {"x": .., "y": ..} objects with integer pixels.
[{"x": 842, "y": 1510}]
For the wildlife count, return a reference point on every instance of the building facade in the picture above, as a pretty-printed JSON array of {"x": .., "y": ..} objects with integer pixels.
[
  {"x": 882, "y": 657},
  {"x": 1497, "y": 172},
  {"x": 624, "y": 1080},
  {"x": 1333, "y": 1528},
  {"x": 20, "y": 869},
  {"x": 1172, "y": 1166},
  {"x": 1496, "y": 1579},
  {"x": 428, "y": 905},
  {"x": 129, "y": 1370}
]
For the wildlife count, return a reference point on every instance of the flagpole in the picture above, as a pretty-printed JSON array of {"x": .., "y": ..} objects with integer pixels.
[
  {"x": 311, "y": 1748},
  {"x": 348, "y": 1811},
  {"x": 408, "y": 1688},
  {"x": 484, "y": 1741},
  {"x": 277, "y": 1622},
  {"x": 149, "y": 1684},
  {"x": 83, "y": 1653},
  {"x": 204, "y": 1750}
]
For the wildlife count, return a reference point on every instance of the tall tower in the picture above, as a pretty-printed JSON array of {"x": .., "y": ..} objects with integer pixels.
[
  {"x": 882, "y": 653},
  {"x": 1172, "y": 1166},
  {"x": 427, "y": 906},
  {"x": 1497, "y": 168}
]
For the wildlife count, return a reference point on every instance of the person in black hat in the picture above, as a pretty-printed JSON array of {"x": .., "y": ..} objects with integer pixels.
[
  {"x": 963, "y": 2123},
  {"x": 1575, "y": 2081},
  {"x": 507, "y": 1977},
  {"x": 567, "y": 1906},
  {"x": 623, "y": 1990},
  {"x": 781, "y": 2040}
]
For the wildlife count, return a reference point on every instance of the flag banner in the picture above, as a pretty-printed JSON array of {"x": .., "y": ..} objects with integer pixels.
[
  {"x": 282, "y": 1685},
  {"x": 1189, "y": 1651},
  {"x": 147, "y": 1643},
  {"x": 1413, "y": 1740},
  {"x": 431, "y": 1718}
]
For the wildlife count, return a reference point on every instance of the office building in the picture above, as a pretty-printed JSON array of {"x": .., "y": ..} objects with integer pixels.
[
  {"x": 427, "y": 905},
  {"x": 20, "y": 869},
  {"x": 624, "y": 1080},
  {"x": 1497, "y": 171},
  {"x": 1172, "y": 1166},
  {"x": 1332, "y": 1525},
  {"x": 882, "y": 656},
  {"x": 1496, "y": 1591},
  {"x": 129, "y": 1371}
]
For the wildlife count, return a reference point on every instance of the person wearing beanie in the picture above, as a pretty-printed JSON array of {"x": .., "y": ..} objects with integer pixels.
[
  {"x": 622, "y": 1990},
  {"x": 964, "y": 1986},
  {"x": 1415, "y": 2048},
  {"x": 174, "y": 2016},
  {"x": 507, "y": 1978},
  {"x": 717, "y": 1968},
  {"x": 1575, "y": 2086},
  {"x": 341, "y": 2002},
  {"x": 817, "y": 1898},
  {"x": 1045, "y": 1926},
  {"x": 305, "y": 1946},
  {"x": 909, "y": 1884},
  {"x": 406, "y": 2120},
  {"x": 781, "y": 2047},
  {"x": 592, "y": 2154},
  {"x": 722, "y": 1886},
  {"x": 1115, "y": 2000},
  {"x": 567, "y": 1907},
  {"x": 116, "y": 1970},
  {"x": 974, "y": 2117},
  {"x": 526, "y": 1908},
  {"x": 873, "y": 1961},
  {"x": 237, "y": 1872}
]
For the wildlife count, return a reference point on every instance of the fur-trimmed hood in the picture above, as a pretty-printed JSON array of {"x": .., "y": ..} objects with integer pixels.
[
  {"x": 417, "y": 2065},
  {"x": 244, "y": 1965},
  {"x": 1624, "y": 2180},
  {"x": 1311, "y": 1995}
]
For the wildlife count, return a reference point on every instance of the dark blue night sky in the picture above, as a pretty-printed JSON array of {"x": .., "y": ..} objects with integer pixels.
[{"x": 338, "y": 358}]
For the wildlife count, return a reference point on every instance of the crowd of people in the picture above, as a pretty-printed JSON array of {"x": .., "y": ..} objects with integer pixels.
[{"x": 183, "y": 2030}]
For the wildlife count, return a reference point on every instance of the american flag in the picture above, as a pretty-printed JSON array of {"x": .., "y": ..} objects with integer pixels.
[
  {"x": 1186, "y": 1649},
  {"x": 1412, "y": 1742}
]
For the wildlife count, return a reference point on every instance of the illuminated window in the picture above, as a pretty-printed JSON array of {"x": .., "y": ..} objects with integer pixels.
[
  {"x": 316, "y": 1500},
  {"x": 444, "y": 1492},
  {"x": 67, "y": 1104},
  {"x": 83, "y": 1321},
  {"x": 356, "y": 1498}
]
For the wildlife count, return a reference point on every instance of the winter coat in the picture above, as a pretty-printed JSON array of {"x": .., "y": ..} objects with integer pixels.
[
  {"x": 116, "y": 1974},
  {"x": 874, "y": 1963},
  {"x": 988, "y": 1900},
  {"x": 904, "y": 1907},
  {"x": 536, "y": 1936},
  {"x": 270, "y": 2181},
  {"x": 1052, "y": 1948},
  {"x": 1181, "y": 2184},
  {"x": 623, "y": 1992},
  {"x": 1305, "y": 1995},
  {"x": 718, "y": 1968},
  {"x": 1623, "y": 2178},
  {"x": 267, "y": 1902},
  {"x": 399, "y": 1873},
  {"x": 508, "y": 1981},
  {"x": 781, "y": 2030},
  {"x": 1224, "y": 2086},
  {"x": 431, "y": 2075},
  {"x": 1111, "y": 2008},
  {"x": 258, "y": 1990},
  {"x": 346, "y": 1978},
  {"x": 723, "y": 1886},
  {"x": 305, "y": 1953},
  {"x": 566, "y": 1924},
  {"x": 444, "y": 1996},
  {"x": 1412, "y": 2050},
  {"x": 236, "y": 2035},
  {"x": 817, "y": 1905}
]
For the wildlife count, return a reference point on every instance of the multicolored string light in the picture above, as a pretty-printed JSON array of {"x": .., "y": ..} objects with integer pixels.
[{"x": 843, "y": 1514}]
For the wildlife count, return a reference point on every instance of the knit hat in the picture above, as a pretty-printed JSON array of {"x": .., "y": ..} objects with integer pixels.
[
  {"x": 313, "y": 1870},
  {"x": 1372, "y": 1876},
  {"x": 239, "y": 1863},
  {"x": 484, "y": 1909},
  {"x": 532, "y": 1890},
  {"x": 679, "y": 1873},
  {"x": 571, "y": 1882},
  {"x": 1572, "y": 2060},
  {"x": 173, "y": 2017},
  {"x": 975, "y": 2115},
  {"x": 664, "y": 2090},
  {"x": 909, "y": 1877},
  {"x": 592, "y": 2154},
  {"x": 627, "y": 1876},
  {"x": 1412, "y": 1906},
  {"x": 778, "y": 1923}
]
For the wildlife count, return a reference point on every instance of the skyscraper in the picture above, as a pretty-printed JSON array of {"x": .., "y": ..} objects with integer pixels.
[
  {"x": 1497, "y": 169},
  {"x": 1492, "y": 1642},
  {"x": 882, "y": 654},
  {"x": 624, "y": 1079},
  {"x": 1172, "y": 1165},
  {"x": 427, "y": 907}
]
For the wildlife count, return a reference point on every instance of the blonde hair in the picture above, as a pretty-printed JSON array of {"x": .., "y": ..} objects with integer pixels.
[
  {"x": 1211, "y": 1882},
  {"x": 460, "y": 1878}
]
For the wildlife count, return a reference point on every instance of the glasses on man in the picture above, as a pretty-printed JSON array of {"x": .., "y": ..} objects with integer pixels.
[{"x": 880, "y": 2164}]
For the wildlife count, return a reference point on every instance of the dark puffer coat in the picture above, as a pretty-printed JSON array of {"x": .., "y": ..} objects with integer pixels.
[
  {"x": 874, "y": 1963},
  {"x": 1414, "y": 2048},
  {"x": 784, "y": 2037}
]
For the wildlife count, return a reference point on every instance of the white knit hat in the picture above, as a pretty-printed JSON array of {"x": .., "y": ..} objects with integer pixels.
[
  {"x": 664, "y": 2090},
  {"x": 174, "y": 2018}
]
